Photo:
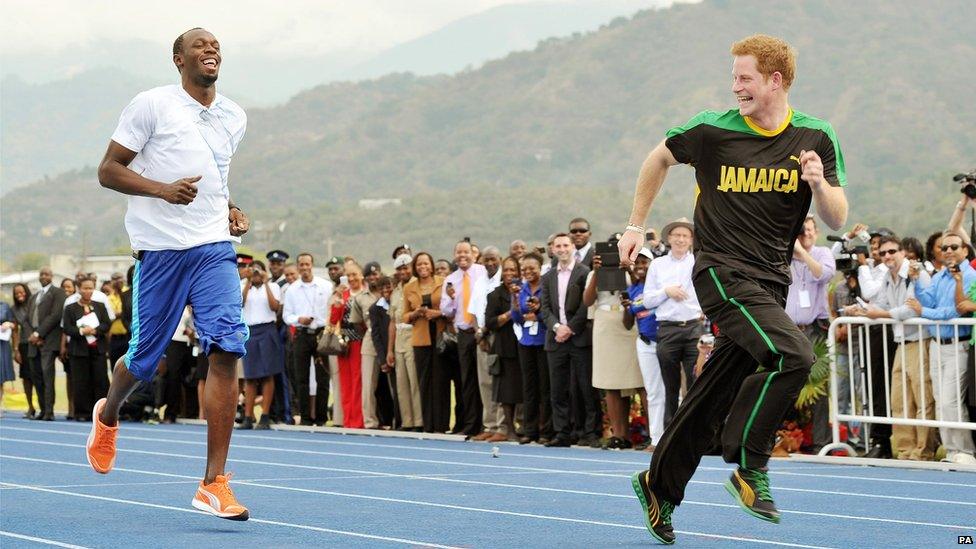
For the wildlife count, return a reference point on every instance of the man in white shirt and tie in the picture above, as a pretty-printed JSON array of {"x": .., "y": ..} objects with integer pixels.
[
  {"x": 306, "y": 308},
  {"x": 670, "y": 290},
  {"x": 460, "y": 289}
]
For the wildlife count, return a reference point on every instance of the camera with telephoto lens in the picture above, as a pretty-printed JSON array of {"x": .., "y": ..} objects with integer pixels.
[
  {"x": 967, "y": 183},
  {"x": 846, "y": 257}
]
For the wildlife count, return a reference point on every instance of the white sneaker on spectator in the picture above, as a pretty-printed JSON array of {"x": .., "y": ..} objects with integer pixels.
[{"x": 962, "y": 458}]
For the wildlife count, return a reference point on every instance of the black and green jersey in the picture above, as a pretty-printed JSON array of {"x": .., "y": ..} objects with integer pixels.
[{"x": 751, "y": 202}]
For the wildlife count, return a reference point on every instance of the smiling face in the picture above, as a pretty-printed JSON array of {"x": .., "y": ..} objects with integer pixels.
[
  {"x": 680, "y": 239},
  {"x": 640, "y": 267},
  {"x": 463, "y": 255},
  {"x": 305, "y": 267},
  {"x": 954, "y": 252},
  {"x": 531, "y": 270},
  {"x": 510, "y": 271},
  {"x": 809, "y": 235},
  {"x": 422, "y": 265},
  {"x": 754, "y": 93},
  {"x": 892, "y": 256},
  {"x": 198, "y": 57},
  {"x": 291, "y": 273},
  {"x": 20, "y": 294},
  {"x": 44, "y": 276},
  {"x": 562, "y": 248}
]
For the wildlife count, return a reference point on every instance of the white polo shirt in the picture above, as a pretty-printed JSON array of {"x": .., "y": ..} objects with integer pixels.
[
  {"x": 257, "y": 310},
  {"x": 174, "y": 136}
]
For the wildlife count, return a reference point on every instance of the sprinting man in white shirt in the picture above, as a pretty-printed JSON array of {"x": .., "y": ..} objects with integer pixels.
[{"x": 171, "y": 154}]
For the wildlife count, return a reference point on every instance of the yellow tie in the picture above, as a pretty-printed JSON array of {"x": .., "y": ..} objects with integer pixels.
[{"x": 466, "y": 298}]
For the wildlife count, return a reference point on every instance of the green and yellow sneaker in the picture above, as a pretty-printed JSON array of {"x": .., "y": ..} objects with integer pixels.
[
  {"x": 750, "y": 488},
  {"x": 657, "y": 511}
]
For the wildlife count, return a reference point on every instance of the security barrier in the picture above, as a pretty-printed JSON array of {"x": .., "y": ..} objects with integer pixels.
[{"x": 944, "y": 366}]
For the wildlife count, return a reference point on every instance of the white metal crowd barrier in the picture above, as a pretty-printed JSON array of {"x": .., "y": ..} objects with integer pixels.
[{"x": 861, "y": 395}]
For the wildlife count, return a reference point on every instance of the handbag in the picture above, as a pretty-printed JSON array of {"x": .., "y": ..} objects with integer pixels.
[
  {"x": 446, "y": 343},
  {"x": 332, "y": 342}
]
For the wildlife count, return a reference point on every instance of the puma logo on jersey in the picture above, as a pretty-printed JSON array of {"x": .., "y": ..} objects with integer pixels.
[
  {"x": 754, "y": 180},
  {"x": 795, "y": 158}
]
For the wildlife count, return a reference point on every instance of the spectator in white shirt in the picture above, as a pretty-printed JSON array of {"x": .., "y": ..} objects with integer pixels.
[
  {"x": 264, "y": 353},
  {"x": 306, "y": 308},
  {"x": 492, "y": 415},
  {"x": 669, "y": 289},
  {"x": 457, "y": 295}
]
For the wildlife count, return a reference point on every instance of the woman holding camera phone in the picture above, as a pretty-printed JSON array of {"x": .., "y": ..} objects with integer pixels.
[
  {"x": 635, "y": 313},
  {"x": 422, "y": 308},
  {"x": 615, "y": 367},
  {"x": 536, "y": 396}
]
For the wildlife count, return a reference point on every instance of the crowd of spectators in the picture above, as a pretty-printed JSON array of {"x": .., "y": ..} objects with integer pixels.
[{"x": 552, "y": 345}]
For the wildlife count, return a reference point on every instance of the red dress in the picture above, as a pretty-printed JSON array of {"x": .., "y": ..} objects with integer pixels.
[{"x": 350, "y": 367}]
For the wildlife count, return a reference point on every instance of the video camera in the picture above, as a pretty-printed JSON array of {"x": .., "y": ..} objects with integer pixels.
[
  {"x": 846, "y": 258},
  {"x": 967, "y": 183}
]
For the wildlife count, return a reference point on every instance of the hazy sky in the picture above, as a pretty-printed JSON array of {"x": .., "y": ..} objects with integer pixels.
[{"x": 310, "y": 26}]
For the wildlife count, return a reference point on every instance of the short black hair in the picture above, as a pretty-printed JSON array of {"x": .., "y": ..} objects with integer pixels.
[
  {"x": 178, "y": 43},
  {"x": 533, "y": 256},
  {"x": 580, "y": 220},
  {"x": 913, "y": 245},
  {"x": 299, "y": 256}
]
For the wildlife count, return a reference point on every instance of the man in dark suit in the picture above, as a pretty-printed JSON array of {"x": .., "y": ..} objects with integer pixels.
[
  {"x": 579, "y": 232},
  {"x": 568, "y": 344},
  {"x": 45, "y": 306}
]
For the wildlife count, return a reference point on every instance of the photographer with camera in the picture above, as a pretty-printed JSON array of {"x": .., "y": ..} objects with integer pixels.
[
  {"x": 806, "y": 304},
  {"x": 938, "y": 302},
  {"x": 910, "y": 360},
  {"x": 669, "y": 289}
]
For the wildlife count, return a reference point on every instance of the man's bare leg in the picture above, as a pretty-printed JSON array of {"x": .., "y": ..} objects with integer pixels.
[
  {"x": 123, "y": 383},
  {"x": 220, "y": 402}
]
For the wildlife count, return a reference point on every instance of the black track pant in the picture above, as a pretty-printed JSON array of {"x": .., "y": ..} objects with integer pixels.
[{"x": 760, "y": 362}]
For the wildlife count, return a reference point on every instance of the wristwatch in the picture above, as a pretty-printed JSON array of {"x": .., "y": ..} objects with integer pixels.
[{"x": 555, "y": 327}]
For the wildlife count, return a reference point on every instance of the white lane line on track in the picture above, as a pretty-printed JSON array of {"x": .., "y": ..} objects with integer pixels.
[
  {"x": 501, "y": 485},
  {"x": 259, "y": 521},
  {"x": 511, "y": 467},
  {"x": 45, "y": 541},
  {"x": 507, "y": 467},
  {"x": 427, "y": 504},
  {"x": 774, "y": 471}
]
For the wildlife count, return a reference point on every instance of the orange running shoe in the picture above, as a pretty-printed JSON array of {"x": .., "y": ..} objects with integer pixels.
[
  {"x": 101, "y": 442},
  {"x": 218, "y": 499}
]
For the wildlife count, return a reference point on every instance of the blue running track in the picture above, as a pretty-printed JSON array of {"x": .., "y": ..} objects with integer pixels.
[{"x": 329, "y": 490}]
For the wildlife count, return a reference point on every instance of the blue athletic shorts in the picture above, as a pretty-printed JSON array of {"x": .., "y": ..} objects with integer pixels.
[{"x": 164, "y": 282}]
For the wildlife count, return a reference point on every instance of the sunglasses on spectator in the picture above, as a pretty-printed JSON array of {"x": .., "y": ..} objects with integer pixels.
[
  {"x": 579, "y": 231},
  {"x": 883, "y": 253},
  {"x": 952, "y": 247}
]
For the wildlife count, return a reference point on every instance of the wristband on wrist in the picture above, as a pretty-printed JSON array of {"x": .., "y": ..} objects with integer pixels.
[{"x": 635, "y": 228}]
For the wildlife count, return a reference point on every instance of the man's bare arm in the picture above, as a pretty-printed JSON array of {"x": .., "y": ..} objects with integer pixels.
[
  {"x": 113, "y": 173},
  {"x": 649, "y": 182},
  {"x": 830, "y": 201}
]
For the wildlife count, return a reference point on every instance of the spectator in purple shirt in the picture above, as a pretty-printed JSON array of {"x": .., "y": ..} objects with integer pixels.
[
  {"x": 806, "y": 303},
  {"x": 460, "y": 289}
]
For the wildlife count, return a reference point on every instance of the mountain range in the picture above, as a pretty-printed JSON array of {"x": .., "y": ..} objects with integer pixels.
[{"x": 520, "y": 145}]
